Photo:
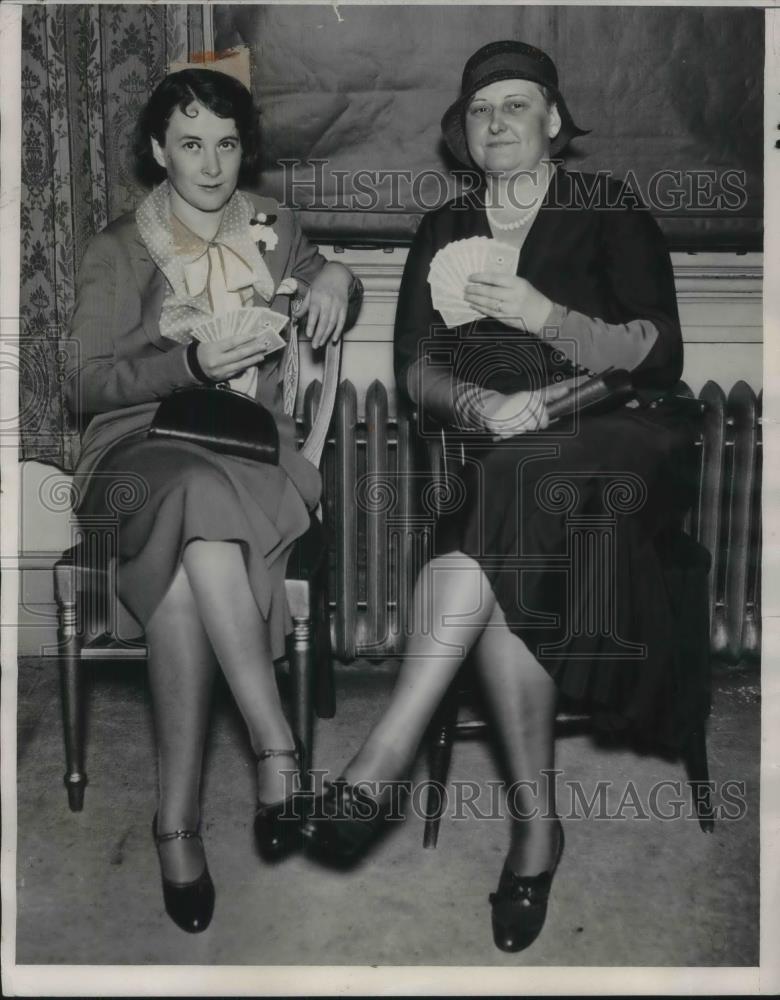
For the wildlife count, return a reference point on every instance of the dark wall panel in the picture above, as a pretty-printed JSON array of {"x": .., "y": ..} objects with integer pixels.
[{"x": 662, "y": 89}]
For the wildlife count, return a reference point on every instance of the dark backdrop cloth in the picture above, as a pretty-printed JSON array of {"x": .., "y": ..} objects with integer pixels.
[{"x": 662, "y": 89}]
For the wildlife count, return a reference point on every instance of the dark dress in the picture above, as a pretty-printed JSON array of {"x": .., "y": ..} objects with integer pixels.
[{"x": 568, "y": 524}]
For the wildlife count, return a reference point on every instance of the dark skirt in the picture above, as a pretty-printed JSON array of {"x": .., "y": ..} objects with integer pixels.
[
  {"x": 184, "y": 492},
  {"x": 568, "y": 527}
]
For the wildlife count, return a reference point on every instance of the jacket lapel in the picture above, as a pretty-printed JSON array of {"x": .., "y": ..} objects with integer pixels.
[
  {"x": 150, "y": 282},
  {"x": 471, "y": 218},
  {"x": 545, "y": 228},
  {"x": 275, "y": 260},
  {"x": 152, "y": 295}
]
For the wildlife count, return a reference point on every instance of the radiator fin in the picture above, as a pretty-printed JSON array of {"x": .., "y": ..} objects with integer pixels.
[
  {"x": 741, "y": 468},
  {"x": 346, "y": 521},
  {"x": 375, "y": 498},
  {"x": 709, "y": 507}
]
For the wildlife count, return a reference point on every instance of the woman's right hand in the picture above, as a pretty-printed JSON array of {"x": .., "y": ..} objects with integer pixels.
[
  {"x": 507, "y": 415},
  {"x": 225, "y": 359}
]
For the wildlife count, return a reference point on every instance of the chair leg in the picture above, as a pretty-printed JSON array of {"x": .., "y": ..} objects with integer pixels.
[
  {"x": 440, "y": 753},
  {"x": 696, "y": 765},
  {"x": 72, "y": 695},
  {"x": 325, "y": 688},
  {"x": 301, "y": 668}
]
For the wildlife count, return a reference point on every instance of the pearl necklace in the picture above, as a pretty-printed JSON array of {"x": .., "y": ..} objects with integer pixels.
[
  {"x": 525, "y": 216},
  {"x": 518, "y": 223}
]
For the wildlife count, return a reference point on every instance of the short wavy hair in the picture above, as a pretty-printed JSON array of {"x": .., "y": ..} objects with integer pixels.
[{"x": 223, "y": 95}]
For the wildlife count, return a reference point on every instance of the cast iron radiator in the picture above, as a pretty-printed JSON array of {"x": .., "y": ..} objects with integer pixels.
[{"x": 380, "y": 504}]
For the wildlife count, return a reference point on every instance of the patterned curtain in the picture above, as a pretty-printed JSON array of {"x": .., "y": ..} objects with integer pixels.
[{"x": 86, "y": 72}]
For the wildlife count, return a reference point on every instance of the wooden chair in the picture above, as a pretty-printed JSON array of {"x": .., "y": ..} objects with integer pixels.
[
  {"x": 87, "y": 605},
  {"x": 687, "y": 567}
]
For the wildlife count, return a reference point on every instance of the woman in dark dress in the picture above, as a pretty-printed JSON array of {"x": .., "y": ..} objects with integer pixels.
[
  {"x": 593, "y": 288},
  {"x": 202, "y": 556}
]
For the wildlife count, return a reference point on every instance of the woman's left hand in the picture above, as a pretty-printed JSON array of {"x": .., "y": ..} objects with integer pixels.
[
  {"x": 508, "y": 298},
  {"x": 325, "y": 304}
]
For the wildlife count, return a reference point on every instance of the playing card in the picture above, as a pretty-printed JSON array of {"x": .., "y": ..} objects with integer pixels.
[
  {"x": 452, "y": 266},
  {"x": 251, "y": 319},
  {"x": 502, "y": 258}
]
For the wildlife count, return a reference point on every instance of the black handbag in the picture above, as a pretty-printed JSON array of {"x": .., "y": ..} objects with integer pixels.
[
  {"x": 604, "y": 392},
  {"x": 219, "y": 419}
]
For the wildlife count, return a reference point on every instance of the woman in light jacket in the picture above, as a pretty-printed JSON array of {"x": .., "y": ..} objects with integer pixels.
[{"x": 202, "y": 560}]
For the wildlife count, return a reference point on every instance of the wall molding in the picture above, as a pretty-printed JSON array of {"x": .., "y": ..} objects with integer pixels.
[
  {"x": 705, "y": 277},
  {"x": 712, "y": 277}
]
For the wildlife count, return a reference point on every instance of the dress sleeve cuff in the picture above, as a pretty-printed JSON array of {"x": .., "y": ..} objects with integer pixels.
[
  {"x": 191, "y": 358},
  {"x": 555, "y": 318}
]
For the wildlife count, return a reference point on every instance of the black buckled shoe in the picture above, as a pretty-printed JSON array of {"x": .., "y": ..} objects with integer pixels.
[
  {"x": 519, "y": 905},
  {"x": 344, "y": 822},
  {"x": 190, "y": 905},
  {"x": 278, "y": 825}
]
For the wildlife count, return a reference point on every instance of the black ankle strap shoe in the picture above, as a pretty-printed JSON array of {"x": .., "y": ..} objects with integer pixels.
[
  {"x": 277, "y": 825},
  {"x": 190, "y": 905}
]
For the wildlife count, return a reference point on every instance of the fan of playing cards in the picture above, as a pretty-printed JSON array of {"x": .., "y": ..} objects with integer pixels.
[
  {"x": 252, "y": 319},
  {"x": 450, "y": 270}
]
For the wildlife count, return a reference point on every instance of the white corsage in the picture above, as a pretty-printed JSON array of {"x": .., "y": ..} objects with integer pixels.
[{"x": 262, "y": 233}]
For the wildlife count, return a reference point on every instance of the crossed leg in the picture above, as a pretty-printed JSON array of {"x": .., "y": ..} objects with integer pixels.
[
  {"x": 456, "y": 611},
  {"x": 208, "y": 616},
  {"x": 521, "y": 697},
  {"x": 452, "y": 604}
]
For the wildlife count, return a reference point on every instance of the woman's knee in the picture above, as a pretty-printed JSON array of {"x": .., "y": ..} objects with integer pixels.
[
  {"x": 177, "y": 602},
  {"x": 454, "y": 563},
  {"x": 454, "y": 576},
  {"x": 216, "y": 558}
]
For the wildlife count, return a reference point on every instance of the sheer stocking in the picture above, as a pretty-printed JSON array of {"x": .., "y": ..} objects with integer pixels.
[
  {"x": 455, "y": 610},
  {"x": 452, "y": 603},
  {"x": 182, "y": 666},
  {"x": 207, "y": 615},
  {"x": 239, "y": 636},
  {"x": 521, "y": 697}
]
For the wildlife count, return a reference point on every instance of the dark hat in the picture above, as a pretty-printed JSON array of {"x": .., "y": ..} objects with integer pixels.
[{"x": 506, "y": 60}]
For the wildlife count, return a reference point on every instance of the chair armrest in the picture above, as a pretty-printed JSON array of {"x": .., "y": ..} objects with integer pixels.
[
  {"x": 315, "y": 442},
  {"x": 66, "y": 579},
  {"x": 434, "y": 447},
  {"x": 436, "y": 452}
]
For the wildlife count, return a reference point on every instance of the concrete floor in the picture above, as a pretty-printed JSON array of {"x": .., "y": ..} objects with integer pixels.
[{"x": 628, "y": 892}]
